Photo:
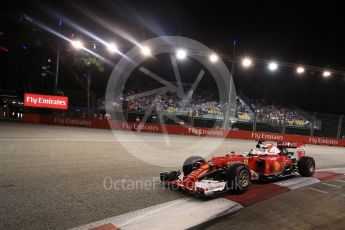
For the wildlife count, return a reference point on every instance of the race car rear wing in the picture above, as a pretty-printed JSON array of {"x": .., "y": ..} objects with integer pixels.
[
  {"x": 292, "y": 145},
  {"x": 299, "y": 146}
]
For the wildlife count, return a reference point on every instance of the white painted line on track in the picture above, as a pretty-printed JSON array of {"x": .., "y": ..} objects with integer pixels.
[
  {"x": 178, "y": 214},
  {"x": 343, "y": 181},
  {"x": 298, "y": 182},
  {"x": 105, "y": 140},
  {"x": 318, "y": 190},
  {"x": 331, "y": 185},
  {"x": 334, "y": 170},
  {"x": 52, "y": 139}
]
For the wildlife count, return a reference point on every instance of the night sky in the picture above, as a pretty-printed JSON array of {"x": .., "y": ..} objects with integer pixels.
[{"x": 311, "y": 33}]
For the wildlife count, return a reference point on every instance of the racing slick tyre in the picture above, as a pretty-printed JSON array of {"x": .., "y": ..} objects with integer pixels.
[
  {"x": 306, "y": 166},
  {"x": 238, "y": 178},
  {"x": 192, "y": 163},
  {"x": 169, "y": 175}
]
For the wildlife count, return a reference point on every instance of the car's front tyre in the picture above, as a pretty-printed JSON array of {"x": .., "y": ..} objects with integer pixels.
[
  {"x": 238, "y": 178},
  {"x": 192, "y": 163},
  {"x": 169, "y": 175}
]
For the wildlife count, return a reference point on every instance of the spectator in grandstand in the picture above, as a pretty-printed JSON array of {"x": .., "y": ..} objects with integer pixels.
[
  {"x": 108, "y": 116},
  {"x": 203, "y": 103},
  {"x": 154, "y": 119},
  {"x": 137, "y": 119}
]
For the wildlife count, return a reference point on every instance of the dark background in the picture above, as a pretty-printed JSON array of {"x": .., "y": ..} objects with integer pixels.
[{"x": 310, "y": 33}]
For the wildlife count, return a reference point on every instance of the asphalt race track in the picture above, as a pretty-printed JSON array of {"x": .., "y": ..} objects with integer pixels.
[
  {"x": 52, "y": 177},
  {"x": 320, "y": 206}
]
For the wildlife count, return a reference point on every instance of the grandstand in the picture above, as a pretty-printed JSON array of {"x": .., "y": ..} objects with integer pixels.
[
  {"x": 205, "y": 105},
  {"x": 201, "y": 110}
]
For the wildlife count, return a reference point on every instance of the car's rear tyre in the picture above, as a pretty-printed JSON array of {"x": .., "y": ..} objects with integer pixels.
[
  {"x": 238, "y": 178},
  {"x": 306, "y": 166},
  {"x": 192, "y": 163}
]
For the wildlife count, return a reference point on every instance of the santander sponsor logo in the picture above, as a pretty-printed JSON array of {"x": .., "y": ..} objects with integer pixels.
[
  {"x": 324, "y": 141},
  {"x": 267, "y": 136},
  {"x": 216, "y": 186}
]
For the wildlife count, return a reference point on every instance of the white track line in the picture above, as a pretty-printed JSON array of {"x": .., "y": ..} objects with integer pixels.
[
  {"x": 298, "y": 182},
  {"x": 334, "y": 170},
  {"x": 51, "y": 139},
  {"x": 331, "y": 185},
  {"x": 318, "y": 190},
  {"x": 343, "y": 181},
  {"x": 106, "y": 140},
  {"x": 183, "y": 213}
]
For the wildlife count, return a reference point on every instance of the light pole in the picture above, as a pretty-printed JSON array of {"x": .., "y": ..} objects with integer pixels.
[
  {"x": 57, "y": 60},
  {"x": 56, "y": 74},
  {"x": 228, "y": 113}
]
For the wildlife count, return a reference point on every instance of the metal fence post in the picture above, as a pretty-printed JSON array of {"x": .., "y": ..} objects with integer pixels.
[
  {"x": 191, "y": 117},
  {"x": 339, "y": 126},
  {"x": 312, "y": 125},
  {"x": 284, "y": 123},
  {"x": 254, "y": 121}
]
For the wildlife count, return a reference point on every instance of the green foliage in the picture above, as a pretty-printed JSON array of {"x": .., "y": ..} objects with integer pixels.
[{"x": 89, "y": 63}]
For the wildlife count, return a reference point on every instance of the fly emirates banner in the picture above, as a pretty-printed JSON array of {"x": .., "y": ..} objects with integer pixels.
[{"x": 45, "y": 101}]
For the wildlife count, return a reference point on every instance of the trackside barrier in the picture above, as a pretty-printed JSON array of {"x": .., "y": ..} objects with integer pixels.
[{"x": 178, "y": 129}]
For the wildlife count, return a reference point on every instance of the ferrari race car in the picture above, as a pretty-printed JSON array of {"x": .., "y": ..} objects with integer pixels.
[{"x": 234, "y": 172}]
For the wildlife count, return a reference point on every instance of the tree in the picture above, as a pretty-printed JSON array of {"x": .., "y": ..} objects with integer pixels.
[{"x": 90, "y": 66}]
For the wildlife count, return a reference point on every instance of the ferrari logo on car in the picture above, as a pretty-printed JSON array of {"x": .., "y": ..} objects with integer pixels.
[
  {"x": 205, "y": 166},
  {"x": 277, "y": 166}
]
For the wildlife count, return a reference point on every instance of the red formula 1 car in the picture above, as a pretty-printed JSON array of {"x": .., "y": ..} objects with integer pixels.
[{"x": 234, "y": 172}]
